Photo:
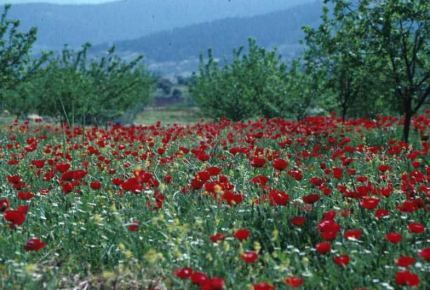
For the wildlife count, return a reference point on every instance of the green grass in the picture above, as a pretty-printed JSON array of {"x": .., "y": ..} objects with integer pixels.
[
  {"x": 5, "y": 120},
  {"x": 169, "y": 115}
]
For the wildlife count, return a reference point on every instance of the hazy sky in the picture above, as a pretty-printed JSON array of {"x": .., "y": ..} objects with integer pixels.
[{"x": 57, "y": 1}]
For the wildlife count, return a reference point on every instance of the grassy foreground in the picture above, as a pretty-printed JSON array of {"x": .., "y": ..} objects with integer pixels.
[{"x": 265, "y": 204}]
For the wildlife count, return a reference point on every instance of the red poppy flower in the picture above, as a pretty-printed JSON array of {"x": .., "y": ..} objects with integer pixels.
[
  {"x": 13, "y": 162},
  {"x": 280, "y": 164},
  {"x": 263, "y": 286},
  {"x": 383, "y": 168},
  {"x": 14, "y": 179},
  {"x": 260, "y": 180},
  {"x": 132, "y": 184},
  {"x": 416, "y": 228},
  {"x": 328, "y": 225},
  {"x": 196, "y": 184},
  {"x": 203, "y": 176},
  {"x": 249, "y": 257},
  {"x": 67, "y": 187},
  {"x": 183, "y": 273},
  {"x": 73, "y": 175},
  {"x": 337, "y": 173},
  {"x": 217, "y": 237},
  {"x": 232, "y": 198},
  {"x": 34, "y": 244},
  {"x": 341, "y": 260},
  {"x": 405, "y": 261},
  {"x": 117, "y": 181},
  {"x": 242, "y": 234},
  {"x": 168, "y": 179},
  {"x": 62, "y": 167},
  {"x": 44, "y": 191},
  {"x": 425, "y": 254},
  {"x": 134, "y": 226},
  {"x": 215, "y": 283},
  {"x": 25, "y": 195},
  {"x": 362, "y": 192},
  {"x": 407, "y": 206},
  {"x": 294, "y": 281},
  {"x": 278, "y": 197},
  {"x": 15, "y": 217},
  {"x": 258, "y": 162},
  {"x": 38, "y": 163},
  {"x": 362, "y": 178},
  {"x": 381, "y": 212},
  {"x": 213, "y": 171},
  {"x": 23, "y": 209},
  {"x": 329, "y": 235},
  {"x": 202, "y": 156},
  {"x": 311, "y": 198},
  {"x": 316, "y": 181},
  {"x": 49, "y": 175},
  {"x": 199, "y": 278},
  {"x": 353, "y": 234},
  {"x": 329, "y": 215},
  {"x": 298, "y": 221},
  {"x": 296, "y": 174},
  {"x": 96, "y": 185},
  {"x": 406, "y": 278},
  {"x": 369, "y": 203},
  {"x": 323, "y": 248},
  {"x": 394, "y": 238}
]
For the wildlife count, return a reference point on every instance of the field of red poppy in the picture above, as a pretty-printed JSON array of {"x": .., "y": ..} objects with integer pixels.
[{"x": 263, "y": 204}]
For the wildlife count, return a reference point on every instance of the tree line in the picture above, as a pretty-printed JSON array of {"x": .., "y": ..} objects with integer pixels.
[
  {"x": 68, "y": 86},
  {"x": 366, "y": 58}
]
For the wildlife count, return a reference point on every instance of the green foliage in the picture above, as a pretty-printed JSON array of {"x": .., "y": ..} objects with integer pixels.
[
  {"x": 118, "y": 88},
  {"x": 16, "y": 63},
  {"x": 365, "y": 59},
  {"x": 305, "y": 88},
  {"x": 254, "y": 84},
  {"x": 69, "y": 86},
  {"x": 374, "y": 56},
  {"x": 353, "y": 80},
  {"x": 77, "y": 89},
  {"x": 399, "y": 34}
]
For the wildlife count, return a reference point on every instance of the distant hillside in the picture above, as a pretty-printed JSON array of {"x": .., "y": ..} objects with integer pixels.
[
  {"x": 128, "y": 19},
  {"x": 282, "y": 29}
]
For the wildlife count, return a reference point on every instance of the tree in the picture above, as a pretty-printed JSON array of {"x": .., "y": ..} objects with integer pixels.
[
  {"x": 337, "y": 51},
  {"x": 305, "y": 85},
  {"x": 254, "y": 84},
  {"x": 16, "y": 62},
  {"x": 376, "y": 52},
  {"x": 399, "y": 33},
  {"x": 117, "y": 87},
  {"x": 91, "y": 91}
]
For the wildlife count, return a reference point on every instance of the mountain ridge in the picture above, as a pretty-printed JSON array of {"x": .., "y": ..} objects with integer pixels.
[
  {"x": 281, "y": 29},
  {"x": 128, "y": 19}
]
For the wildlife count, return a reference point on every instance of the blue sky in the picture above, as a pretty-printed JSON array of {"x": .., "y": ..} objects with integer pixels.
[{"x": 56, "y": 1}]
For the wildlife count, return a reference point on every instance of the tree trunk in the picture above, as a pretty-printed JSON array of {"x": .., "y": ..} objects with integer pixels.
[
  {"x": 344, "y": 112},
  {"x": 407, "y": 118}
]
